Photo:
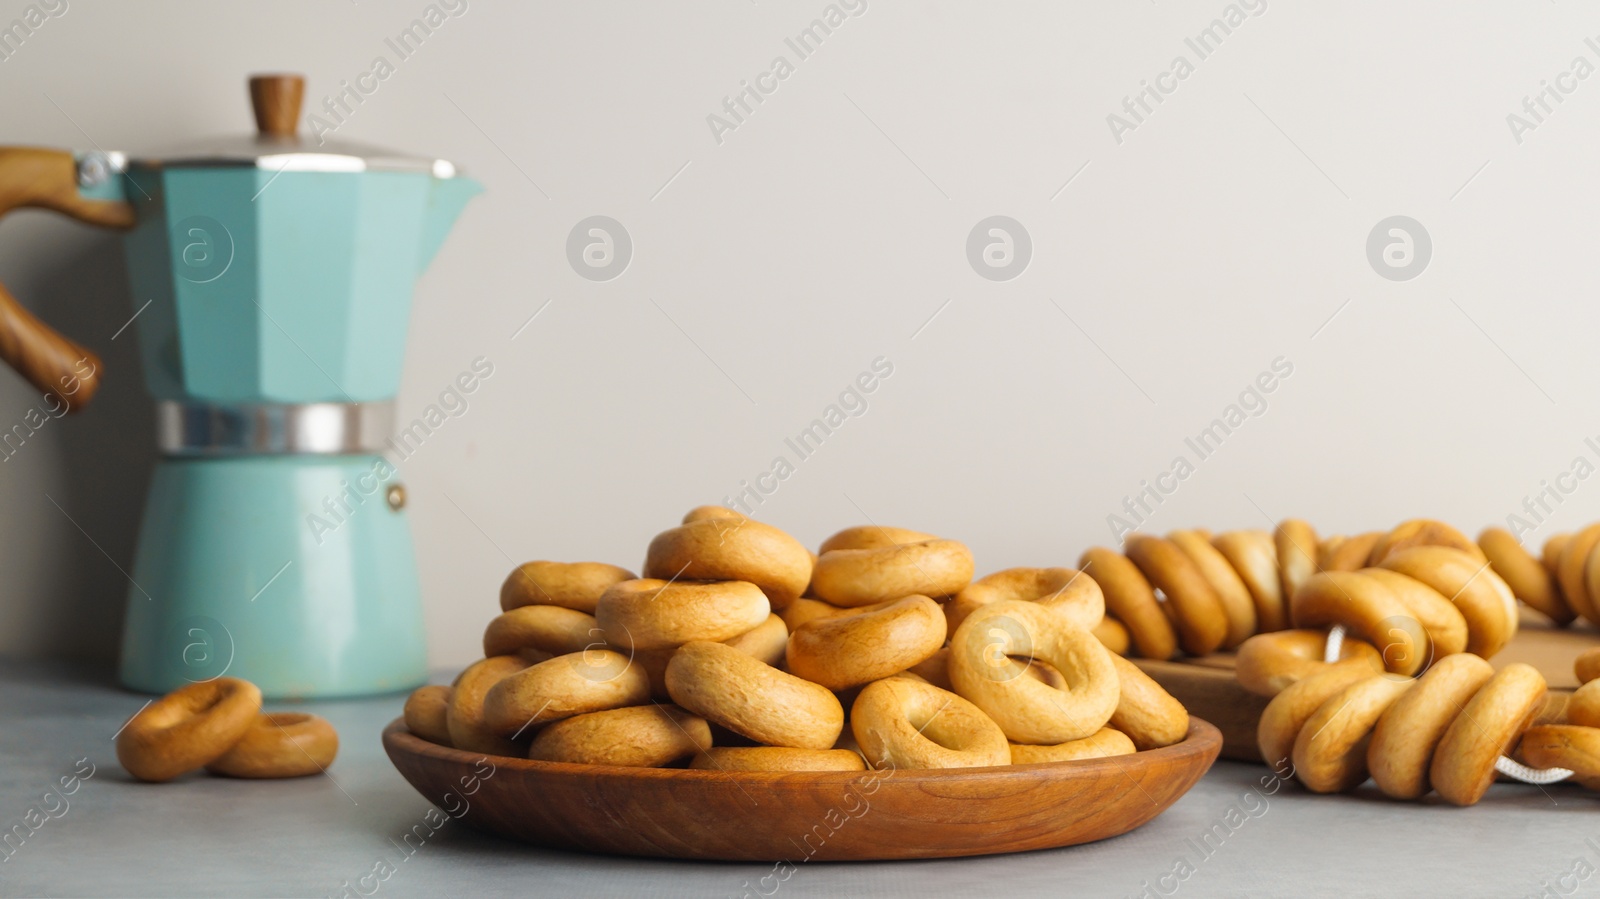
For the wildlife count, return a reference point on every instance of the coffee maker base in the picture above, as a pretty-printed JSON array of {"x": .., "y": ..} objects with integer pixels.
[{"x": 293, "y": 572}]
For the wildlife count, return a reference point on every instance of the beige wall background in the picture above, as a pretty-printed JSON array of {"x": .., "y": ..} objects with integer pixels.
[{"x": 1227, "y": 228}]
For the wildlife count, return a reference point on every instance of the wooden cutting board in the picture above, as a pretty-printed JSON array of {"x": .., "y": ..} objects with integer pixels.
[{"x": 1207, "y": 688}]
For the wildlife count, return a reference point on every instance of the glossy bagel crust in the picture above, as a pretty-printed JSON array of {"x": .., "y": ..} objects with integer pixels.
[
  {"x": 863, "y": 577},
  {"x": 852, "y": 650},
  {"x": 1129, "y": 597},
  {"x": 1296, "y": 544},
  {"x": 571, "y": 585},
  {"x": 1330, "y": 751},
  {"x": 984, "y": 668},
  {"x": 901, "y": 724},
  {"x": 1254, "y": 558},
  {"x": 1482, "y": 597},
  {"x": 464, "y": 717},
  {"x": 574, "y": 684},
  {"x": 1587, "y": 665},
  {"x": 766, "y": 641},
  {"x": 1067, "y": 590},
  {"x": 1103, "y": 743},
  {"x": 643, "y": 736},
  {"x": 280, "y": 744},
  {"x": 753, "y": 699},
  {"x": 1267, "y": 664},
  {"x": 1569, "y": 746},
  {"x": 1488, "y": 727},
  {"x": 732, "y": 549},
  {"x": 1422, "y": 532},
  {"x": 1287, "y": 713},
  {"x": 777, "y": 758},
  {"x": 1572, "y": 570},
  {"x": 1367, "y": 608},
  {"x": 655, "y": 614},
  {"x": 1146, "y": 713},
  {"x": 1405, "y": 738},
  {"x": 425, "y": 712},
  {"x": 1528, "y": 578},
  {"x": 553, "y": 629},
  {"x": 1198, "y": 612},
  {"x": 187, "y": 728},
  {"x": 1237, "y": 605}
]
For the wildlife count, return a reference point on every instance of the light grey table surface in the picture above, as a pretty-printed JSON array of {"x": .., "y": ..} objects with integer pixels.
[{"x": 205, "y": 836}]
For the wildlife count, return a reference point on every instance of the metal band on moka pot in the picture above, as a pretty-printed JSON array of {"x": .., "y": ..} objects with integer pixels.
[{"x": 195, "y": 429}]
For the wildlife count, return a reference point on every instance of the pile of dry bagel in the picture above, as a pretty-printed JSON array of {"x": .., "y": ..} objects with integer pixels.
[{"x": 741, "y": 650}]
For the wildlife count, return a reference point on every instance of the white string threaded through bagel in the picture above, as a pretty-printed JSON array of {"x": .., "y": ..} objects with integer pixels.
[{"x": 1506, "y": 765}]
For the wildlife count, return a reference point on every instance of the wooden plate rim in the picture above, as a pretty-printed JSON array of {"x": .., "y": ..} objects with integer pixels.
[{"x": 1202, "y": 738}]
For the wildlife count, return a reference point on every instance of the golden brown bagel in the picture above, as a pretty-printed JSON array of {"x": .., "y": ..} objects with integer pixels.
[
  {"x": 1550, "y": 555},
  {"x": 935, "y": 669},
  {"x": 1572, "y": 570},
  {"x": 571, "y": 585},
  {"x": 1527, "y": 577},
  {"x": 1285, "y": 716},
  {"x": 464, "y": 717},
  {"x": 655, "y": 614},
  {"x": 1330, "y": 752},
  {"x": 702, "y": 512},
  {"x": 1405, "y": 738},
  {"x": 1146, "y": 713},
  {"x": 187, "y": 728},
  {"x": 777, "y": 758},
  {"x": 1587, "y": 665},
  {"x": 871, "y": 536},
  {"x": 1483, "y": 598},
  {"x": 1569, "y": 746},
  {"x": 766, "y": 641},
  {"x": 1201, "y": 621},
  {"x": 806, "y": 609},
  {"x": 1066, "y": 590},
  {"x": 550, "y": 629},
  {"x": 1422, "y": 532},
  {"x": 1296, "y": 544},
  {"x": 732, "y": 549},
  {"x": 1237, "y": 604},
  {"x": 574, "y": 684},
  {"x": 1446, "y": 626},
  {"x": 1368, "y": 608},
  {"x": 1129, "y": 597},
  {"x": 862, "y": 577},
  {"x": 1113, "y": 634},
  {"x": 984, "y": 666},
  {"x": 280, "y": 744},
  {"x": 852, "y": 650},
  {"x": 753, "y": 699},
  {"x": 644, "y": 736},
  {"x": 1489, "y": 726},
  {"x": 1254, "y": 558},
  {"x": 1583, "y": 706},
  {"x": 1267, "y": 664},
  {"x": 1347, "y": 553},
  {"x": 425, "y": 713},
  {"x": 1103, "y": 743},
  {"x": 904, "y": 724}
]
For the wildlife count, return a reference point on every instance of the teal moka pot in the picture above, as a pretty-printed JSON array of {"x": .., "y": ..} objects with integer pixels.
[{"x": 272, "y": 277}]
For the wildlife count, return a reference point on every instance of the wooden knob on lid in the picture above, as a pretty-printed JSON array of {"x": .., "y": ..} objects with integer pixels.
[{"x": 276, "y": 101}]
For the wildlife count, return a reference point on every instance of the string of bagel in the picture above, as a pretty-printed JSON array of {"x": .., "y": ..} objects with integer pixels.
[{"x": 1374, "y": 647}]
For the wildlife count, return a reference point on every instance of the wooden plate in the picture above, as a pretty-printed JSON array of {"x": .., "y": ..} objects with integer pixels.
[{"x": 820, "y": 816}]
